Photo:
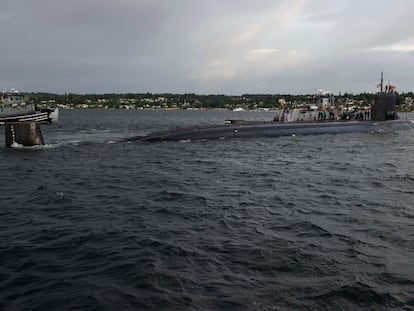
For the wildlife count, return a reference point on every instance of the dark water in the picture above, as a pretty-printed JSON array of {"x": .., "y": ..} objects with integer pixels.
[{"x": 291, "y": 223}]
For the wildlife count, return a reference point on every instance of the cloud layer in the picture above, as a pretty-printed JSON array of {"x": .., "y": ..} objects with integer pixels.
[{"x": 216, "y": 46}]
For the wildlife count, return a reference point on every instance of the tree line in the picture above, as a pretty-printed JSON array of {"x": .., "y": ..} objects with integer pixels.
[{"x": 248, "y": 101}]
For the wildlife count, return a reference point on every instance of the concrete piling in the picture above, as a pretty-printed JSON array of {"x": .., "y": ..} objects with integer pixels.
[{"x": 23, "y": 133}]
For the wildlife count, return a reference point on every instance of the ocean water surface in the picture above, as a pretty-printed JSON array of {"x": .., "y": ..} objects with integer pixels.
[{"x": 94, "y": 222}]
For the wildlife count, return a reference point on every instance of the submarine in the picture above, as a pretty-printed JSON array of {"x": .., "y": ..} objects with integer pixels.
[{"x": 380, "y": 118}]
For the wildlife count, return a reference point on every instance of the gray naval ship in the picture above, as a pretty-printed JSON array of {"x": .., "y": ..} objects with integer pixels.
[{"x": 323, "y": 118}]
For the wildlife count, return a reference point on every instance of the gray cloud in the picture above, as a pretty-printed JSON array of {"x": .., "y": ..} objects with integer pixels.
[{"x": 230, "y": 47}]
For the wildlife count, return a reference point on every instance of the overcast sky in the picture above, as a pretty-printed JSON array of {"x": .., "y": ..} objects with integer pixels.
[{"x": 206, "y": 46}]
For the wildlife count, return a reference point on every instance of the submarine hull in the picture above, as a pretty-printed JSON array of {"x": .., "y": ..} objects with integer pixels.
[{"x": 270, "y": 129}]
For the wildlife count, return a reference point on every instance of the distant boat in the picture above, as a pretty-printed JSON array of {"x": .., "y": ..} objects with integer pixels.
[{"x": 13, "y": 108}]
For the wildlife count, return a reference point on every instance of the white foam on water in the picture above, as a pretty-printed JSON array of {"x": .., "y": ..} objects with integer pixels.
[{"x": 16, "y": 145}]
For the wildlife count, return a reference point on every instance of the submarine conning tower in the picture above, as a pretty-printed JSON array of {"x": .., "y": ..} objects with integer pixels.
[{"x": 383, "y": 106}]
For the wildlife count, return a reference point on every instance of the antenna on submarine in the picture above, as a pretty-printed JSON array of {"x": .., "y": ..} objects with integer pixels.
[
  {"x": 382, "y": 80},
  {"x": 381, "y": 84}
]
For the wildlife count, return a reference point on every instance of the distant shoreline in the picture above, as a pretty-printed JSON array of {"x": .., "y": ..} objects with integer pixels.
[{"x": 248, "y": 102}]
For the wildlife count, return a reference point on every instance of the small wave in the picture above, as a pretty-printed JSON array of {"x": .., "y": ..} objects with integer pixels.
[
  {"x": 168, "y": 196},
  {"x": 403, "y": 177},
  {"x": 16, "y": 146},
  {"x": 359, "y": 294},
  {"x": 63, "y": 143},
  {"x": 58, "y": 144},
  {"x": 397, "y": 280}
]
